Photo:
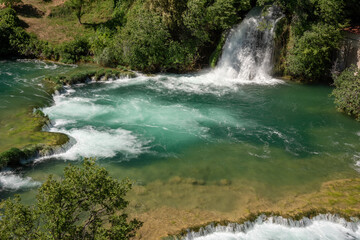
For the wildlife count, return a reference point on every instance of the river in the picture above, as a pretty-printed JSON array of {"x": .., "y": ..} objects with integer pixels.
[{"x": 210, "y": 141}]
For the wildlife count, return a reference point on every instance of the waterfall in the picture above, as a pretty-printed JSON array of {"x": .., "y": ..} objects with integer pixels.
[{"x": 249, "y": 48}]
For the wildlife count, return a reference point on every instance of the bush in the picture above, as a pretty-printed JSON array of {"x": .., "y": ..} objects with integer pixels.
[{"x": 347, "y": 92}]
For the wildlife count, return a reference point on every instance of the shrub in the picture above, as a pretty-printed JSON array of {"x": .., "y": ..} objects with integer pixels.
[
  {"x": 347, "y": 92},
  {"x": 74, "y": 51}
]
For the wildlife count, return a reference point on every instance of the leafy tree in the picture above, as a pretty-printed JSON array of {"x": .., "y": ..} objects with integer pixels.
[
  {"x": 347, "y": 92},
  {"x": 310, "y": 59},
  {"x": 143, "y": 41},
  {"x": 78, "y": 7},
  {"x": 75, "y": 207},
  {"x": 9, "y": 22}
]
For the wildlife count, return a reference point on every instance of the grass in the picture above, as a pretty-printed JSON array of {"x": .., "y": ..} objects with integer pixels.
[{"x": 65, "y": 27}]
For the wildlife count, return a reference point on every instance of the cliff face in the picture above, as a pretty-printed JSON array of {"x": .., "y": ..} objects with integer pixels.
[{"x": 349, "y": 53}]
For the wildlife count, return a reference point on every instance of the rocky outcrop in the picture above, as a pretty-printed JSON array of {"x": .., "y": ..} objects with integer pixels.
[{"x": 349, "y": 52}]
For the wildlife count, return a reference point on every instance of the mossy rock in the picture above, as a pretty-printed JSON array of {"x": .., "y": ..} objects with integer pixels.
[{"x": 13, "y": 156}]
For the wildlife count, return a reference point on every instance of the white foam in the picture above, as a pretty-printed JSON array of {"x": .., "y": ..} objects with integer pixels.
[
  {"x": 63, "y": 122},
  {"x": 75, "y": 108},
  {"x": 11, "y": 181},
  {"x": 105, "y": 143}
]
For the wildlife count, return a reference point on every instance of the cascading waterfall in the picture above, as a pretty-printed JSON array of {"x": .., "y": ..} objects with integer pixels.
[
  {"x": 323, "y": 226},
  {"x": 248, "y": 50}
]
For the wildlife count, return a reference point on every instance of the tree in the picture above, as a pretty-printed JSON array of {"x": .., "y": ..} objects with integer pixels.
[
  {"x": 78, "y": 7},
  {"x": 75, "y": 207},
  {"x": 143, "y": 41}
]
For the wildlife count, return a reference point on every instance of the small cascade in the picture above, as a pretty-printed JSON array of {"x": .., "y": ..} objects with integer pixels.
[
  {"x": 267, "y": 227},
  {"x": 249, "y": 48}
]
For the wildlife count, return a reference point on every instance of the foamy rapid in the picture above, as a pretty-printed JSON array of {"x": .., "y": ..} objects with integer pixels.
[
  {"x": 100, "y": 143},
  {"x": 12, "y": 181},
  {"x": 322, "y": 227}
]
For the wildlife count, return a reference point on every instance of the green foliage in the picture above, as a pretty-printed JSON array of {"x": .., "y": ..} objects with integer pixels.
[
  {"x": 310, "y": 59},
  {"x": 347, "y": 92},
  {"x": 329, "y": 11},
  {"x": 195, "y": 20},
  {"x": 85, "y": 204},
  {"x": 222, "y": 14},
  {"x": 101, "y": 45}
]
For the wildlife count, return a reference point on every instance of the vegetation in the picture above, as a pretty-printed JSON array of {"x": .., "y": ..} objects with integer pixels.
[
  {"x": 151, "y": 36},
  {"x": 85, "y": 204},
  {"x": 347, "y": 92}
]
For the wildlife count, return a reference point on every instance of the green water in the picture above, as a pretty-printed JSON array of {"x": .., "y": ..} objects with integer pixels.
[{"x": 271, "y": 139}]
